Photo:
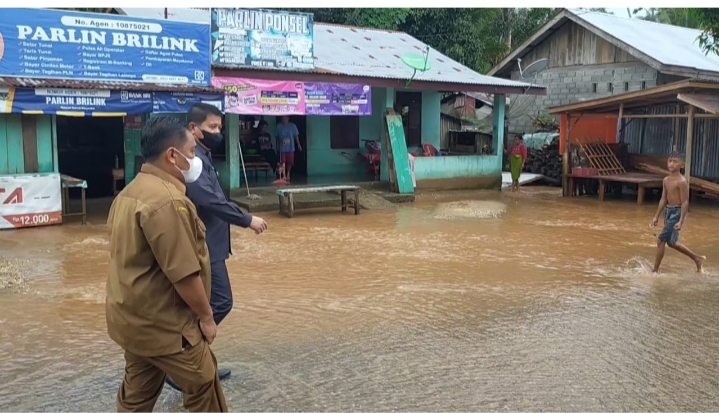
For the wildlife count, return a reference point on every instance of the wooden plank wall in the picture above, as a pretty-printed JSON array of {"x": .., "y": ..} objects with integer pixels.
[
  {"x": 573, "y": 45},
  {"x": 27, "y": 144}
]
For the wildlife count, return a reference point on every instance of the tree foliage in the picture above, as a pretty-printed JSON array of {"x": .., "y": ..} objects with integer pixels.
[
  {"x": 709, "y": 23},
  {"x": 477, "y": 38}
]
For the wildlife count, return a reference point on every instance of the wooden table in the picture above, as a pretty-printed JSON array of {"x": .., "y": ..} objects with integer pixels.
[
  {"x": 642, "y": 180},
  {"x": 286, "y": 196},
  {"x": 72, "y": 182}
]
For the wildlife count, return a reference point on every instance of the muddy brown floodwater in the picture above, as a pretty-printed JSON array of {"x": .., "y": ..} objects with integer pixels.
[{"x": 537, "y": 303}]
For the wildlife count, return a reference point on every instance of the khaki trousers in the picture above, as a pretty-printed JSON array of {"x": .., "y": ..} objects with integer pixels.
[{"x": 194, "y": 369}]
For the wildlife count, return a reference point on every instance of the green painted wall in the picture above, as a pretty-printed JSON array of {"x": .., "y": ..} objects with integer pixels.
[
  {"x": 12, "y": 144},
  {"x": 446, "y": 167},
  {"x": 322, "y": 160},
  {"x": 498, "y": 113},
  {"x": 431, "y": 105},
  {"x": 228, "y": 170},
  {"x": 386, "y": 101}
]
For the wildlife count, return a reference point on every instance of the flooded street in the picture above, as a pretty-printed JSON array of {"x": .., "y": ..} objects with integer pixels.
[{"x": 542, "y": 304}]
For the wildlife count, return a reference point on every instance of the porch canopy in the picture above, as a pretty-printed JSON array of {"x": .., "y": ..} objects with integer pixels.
[{"x": 691, "y": 99}]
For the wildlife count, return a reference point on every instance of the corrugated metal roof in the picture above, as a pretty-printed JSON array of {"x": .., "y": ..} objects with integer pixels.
[
  {"x": 356, "y": 51},
  {"x": 667, "y": 44},
  {"x": 88, "y": 84},
  {"x": 362, "y": 52}
]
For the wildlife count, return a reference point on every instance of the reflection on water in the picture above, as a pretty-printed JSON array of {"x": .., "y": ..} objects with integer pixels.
[{"x": 548, "y": 305}]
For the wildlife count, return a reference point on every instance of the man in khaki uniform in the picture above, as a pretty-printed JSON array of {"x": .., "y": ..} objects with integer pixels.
[{"x": 158, "y": 289}]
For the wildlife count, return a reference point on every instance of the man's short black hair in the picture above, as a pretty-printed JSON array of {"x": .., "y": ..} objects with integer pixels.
[
  {"x": 676, "y": 155},
  {"x": 519, "y": 137},
  {"x": 262, "y": 123},
  {"x": 199, "y": 112},
  {"x": 159, "y": 134}
]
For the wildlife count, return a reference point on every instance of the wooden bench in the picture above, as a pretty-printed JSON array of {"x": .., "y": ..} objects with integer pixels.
[
  {"x": 257, "y": 167},
  {"x": 286, "y": 196},
  {"x": 642, "y": 180}
]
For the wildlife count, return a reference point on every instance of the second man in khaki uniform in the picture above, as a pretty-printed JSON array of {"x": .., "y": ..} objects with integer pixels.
[{"x": 158, "y": 289}]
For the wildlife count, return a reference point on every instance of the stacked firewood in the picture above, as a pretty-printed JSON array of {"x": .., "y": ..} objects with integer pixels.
[{"x": 546, "y": 161}]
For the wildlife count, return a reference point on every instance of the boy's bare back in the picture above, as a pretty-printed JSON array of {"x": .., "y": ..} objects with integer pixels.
[{"x": 673, "y": 185}]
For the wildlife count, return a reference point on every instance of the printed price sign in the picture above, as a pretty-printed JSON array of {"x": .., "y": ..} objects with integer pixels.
[{"x": 30, "y": 201}]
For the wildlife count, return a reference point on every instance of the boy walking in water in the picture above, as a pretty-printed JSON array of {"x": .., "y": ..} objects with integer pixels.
[{"x": 675, "y": 204}]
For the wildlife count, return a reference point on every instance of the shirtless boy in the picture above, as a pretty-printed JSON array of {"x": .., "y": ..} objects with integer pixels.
[{"x": 675, "y": 204}]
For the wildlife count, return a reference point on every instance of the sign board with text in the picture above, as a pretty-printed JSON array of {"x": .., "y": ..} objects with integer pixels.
[
  {"x": 337, "y": 99},
  {"x": 57, "y": 44},
  {"x": 271, "y": 39},
  {"x": 30, "y": 200},
  {"x": 261, "y": 97}
]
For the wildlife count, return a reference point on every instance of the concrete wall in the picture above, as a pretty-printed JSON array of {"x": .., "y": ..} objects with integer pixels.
[
  {"x": 470, "y": 171},
  {"x": 457, "y": 172},
  {"x": 431, "y": 130},
  {"x": 567, "y": 85},
  {"x": 322, "y": 160}
]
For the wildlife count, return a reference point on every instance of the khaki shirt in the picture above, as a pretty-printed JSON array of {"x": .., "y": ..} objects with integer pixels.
[{"x": 156, "y": 240}]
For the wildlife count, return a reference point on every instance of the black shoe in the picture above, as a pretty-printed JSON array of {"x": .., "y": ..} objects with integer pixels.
[{"x": 223, "y": 373}]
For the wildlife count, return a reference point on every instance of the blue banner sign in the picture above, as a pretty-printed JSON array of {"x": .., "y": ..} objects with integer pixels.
[
  {"x": 181, "y": 102},
  {"x": 55, "y": 44},
  {"x": 262, "y": 39},
  {"x": 81, "y": 102}
]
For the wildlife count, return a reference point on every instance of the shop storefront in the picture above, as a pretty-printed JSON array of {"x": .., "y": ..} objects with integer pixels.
[{"x": 74, "y": 90}]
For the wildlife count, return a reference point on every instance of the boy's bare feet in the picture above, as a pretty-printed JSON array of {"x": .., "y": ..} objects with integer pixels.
[{"x": 700, "y": 263}]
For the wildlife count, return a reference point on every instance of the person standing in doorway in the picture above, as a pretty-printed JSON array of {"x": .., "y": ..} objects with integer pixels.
[
  {"x": 157, "y": 306},
  {"x": 215, "y": 211},
  {"x": 263, "y": 142},
  {"x": 517, "y": 157},
  {"x": 288, "y": 138}
]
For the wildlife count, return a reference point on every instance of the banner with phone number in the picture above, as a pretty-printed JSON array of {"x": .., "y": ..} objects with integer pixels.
[{"x": 30, "y": 201}]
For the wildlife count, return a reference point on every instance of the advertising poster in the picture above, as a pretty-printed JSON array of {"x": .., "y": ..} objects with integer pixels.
[
  {"x": 57, "y": 44},
  {"x": 30, "y": 201},
  {"x": 81, "y": 102},
  {"x": 337, "y": 99},
  {"x": 181, "y": 102},
  {"x": 261, "y": 97},
  {"x": 262, "y": 39}
]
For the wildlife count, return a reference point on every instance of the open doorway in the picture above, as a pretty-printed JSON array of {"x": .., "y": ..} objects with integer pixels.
[
  {"x": 299, "y": 170},
  {"x": 89, "y": 148}
]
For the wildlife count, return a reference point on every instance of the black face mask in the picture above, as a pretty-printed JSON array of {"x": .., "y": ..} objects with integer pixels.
[{"x": 212, "y": 140}]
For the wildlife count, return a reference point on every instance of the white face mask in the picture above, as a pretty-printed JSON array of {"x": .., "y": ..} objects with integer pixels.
[{"x": 193, "y": 174}]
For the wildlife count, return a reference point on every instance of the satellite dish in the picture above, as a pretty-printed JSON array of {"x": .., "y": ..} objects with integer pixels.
[
  {"x": 533, "y": 69},
  {"x": 416, "y": 62},
  {"x": 528, "y": 73}
]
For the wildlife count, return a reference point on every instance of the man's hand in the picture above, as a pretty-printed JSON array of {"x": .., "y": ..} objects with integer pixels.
[
  {"x": 678, "y": 226},
  {"x": 209, "y": 329},
  {"x": 300, "y": 148},
  {"x": 654, "y": 223},
  {"x": 258, "y": 225}
]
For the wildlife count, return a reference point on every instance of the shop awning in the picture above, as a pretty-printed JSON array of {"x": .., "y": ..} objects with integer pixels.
[{"x": 99, "y": 102}]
